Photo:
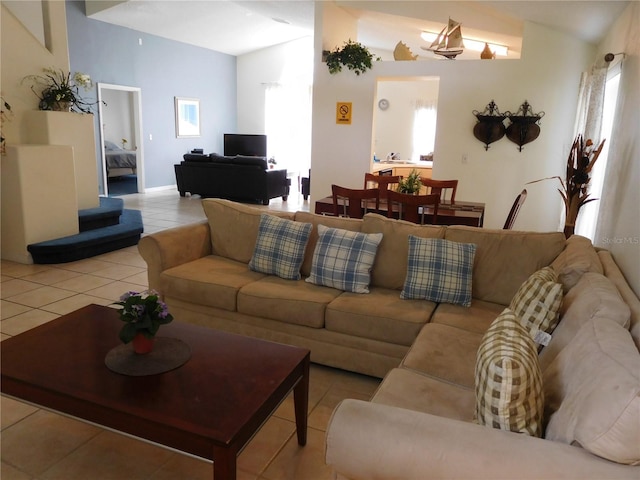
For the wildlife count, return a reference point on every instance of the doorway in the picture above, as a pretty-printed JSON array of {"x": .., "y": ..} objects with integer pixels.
[
  {"x": 121, "y": 142},
  {"x": 405, "y": 119}
]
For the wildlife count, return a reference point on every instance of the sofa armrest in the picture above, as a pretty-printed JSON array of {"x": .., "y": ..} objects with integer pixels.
[
  {"x": 172, "y": 247},
  {"x": 372, "y": 441},
  {"x": 277, "y": 183}
]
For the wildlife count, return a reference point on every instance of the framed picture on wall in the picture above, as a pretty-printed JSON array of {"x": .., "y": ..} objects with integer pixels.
[{"x": 187, "y": 117}]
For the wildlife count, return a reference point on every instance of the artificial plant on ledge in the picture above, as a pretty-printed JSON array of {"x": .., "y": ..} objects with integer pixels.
[
  {"x": 575, "y": 187},
  {"x": 352, "y": 55},
  {"x": 59, "y": 91}
]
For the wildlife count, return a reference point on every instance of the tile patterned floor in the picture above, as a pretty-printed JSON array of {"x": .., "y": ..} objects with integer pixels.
[{"x": 37, "y": 444}]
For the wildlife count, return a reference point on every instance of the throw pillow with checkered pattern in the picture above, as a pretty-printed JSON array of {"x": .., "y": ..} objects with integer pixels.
[
  {"x": 508, "y": 381},
  {"x": 537, "y": 302},
  {"x": 439, "y": 270},
  {"x": 280, "y": 247},
  {"x": 343, "y": 259}
]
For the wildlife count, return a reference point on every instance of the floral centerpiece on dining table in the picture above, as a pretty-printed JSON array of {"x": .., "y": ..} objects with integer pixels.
[
  {"x": 59, "y": 91},
  {"x": 143, "y": 314}
]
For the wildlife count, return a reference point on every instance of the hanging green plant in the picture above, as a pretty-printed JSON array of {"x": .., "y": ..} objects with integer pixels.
[{"x": 352, "y": 55}]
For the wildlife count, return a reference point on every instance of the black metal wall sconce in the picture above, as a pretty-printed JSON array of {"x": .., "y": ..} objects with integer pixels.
[
  {"x": 490, "y": 127},
  {"x": 524, "y": 126}
]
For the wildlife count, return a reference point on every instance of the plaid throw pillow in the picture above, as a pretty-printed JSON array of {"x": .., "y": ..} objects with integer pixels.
[
  {"x": 343, "y": 259},
  {"x": 507, "y": 378},
  {"x": 537, "y": 302},
  {"x": 280, "y": 247},
  {"x": 439, "y": 270}
]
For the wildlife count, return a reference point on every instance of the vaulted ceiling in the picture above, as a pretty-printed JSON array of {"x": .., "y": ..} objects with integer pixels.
[{"x": 237, "y": 27}]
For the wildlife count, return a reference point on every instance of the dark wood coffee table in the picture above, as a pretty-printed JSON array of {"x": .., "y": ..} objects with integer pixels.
[{"x": 209, "y": 407}]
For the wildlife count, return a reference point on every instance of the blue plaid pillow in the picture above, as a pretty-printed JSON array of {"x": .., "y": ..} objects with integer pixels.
[
  {"x": 343, "y": 259},
  {"x": 439, "y": 270},
  {"x": 280, "y": 247}
]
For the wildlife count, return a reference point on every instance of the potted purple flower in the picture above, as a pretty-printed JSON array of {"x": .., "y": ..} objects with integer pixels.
[{"x": 142, "y": 313}]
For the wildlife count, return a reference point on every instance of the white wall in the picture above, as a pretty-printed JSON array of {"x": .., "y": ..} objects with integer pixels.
[
  {"x": 547, "y": 76},
  {"x": 23, "y": 54}
]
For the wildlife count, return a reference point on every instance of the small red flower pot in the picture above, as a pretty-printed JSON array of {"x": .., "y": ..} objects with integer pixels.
[{"x": 142, "y": 344}]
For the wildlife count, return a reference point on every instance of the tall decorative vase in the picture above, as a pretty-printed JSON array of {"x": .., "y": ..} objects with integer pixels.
[
  {"x": 569, "y": 230},
  {"x": 142, "y": 344}
]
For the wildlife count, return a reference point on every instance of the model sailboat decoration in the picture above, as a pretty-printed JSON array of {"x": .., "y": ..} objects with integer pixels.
[{"x": 449, "y": 42}]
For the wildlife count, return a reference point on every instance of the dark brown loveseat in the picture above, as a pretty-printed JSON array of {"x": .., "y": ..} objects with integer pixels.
[{"x": 234, "y": 178}]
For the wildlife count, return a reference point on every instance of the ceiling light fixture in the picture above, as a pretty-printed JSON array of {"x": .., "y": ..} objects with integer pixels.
[{"x": 476, "y": 45}]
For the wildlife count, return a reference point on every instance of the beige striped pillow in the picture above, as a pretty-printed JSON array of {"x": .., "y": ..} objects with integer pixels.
[
  {"x": 507, "y": 378},
  {"x": 537, "y": 302}
]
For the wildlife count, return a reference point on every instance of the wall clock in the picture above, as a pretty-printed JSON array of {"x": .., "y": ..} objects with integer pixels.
[{"x": 383, "y": 104}]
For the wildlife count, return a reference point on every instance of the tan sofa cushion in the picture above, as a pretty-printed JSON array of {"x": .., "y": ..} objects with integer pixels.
[
  {"x": 211, "y": 280},
  {"x": 508, "y": 379},
  {"x": 577, "y": 258},
  {"x": 234, "y": 227},
  {"x": 475, "y": 318},
  {"x": 593, "y": 393},
  {"x": 504, "y": 259},
  {"x": 613, "y": 273},
  {"x": 407, "y": 389},
  {"x": 445, "y": 352},
  {"x": 390, "y": 267},
  {"x": 380, "y": 315},
  {"x": 351, "y": 224},
  {"x": 290, "y": 301},
  {"x": 593, "y": 297}
]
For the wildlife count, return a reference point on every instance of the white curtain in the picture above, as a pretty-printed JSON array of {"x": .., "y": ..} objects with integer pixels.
[
  {"x": 288, "y": 126},
  {"x": 591, "y": 103},
  {"x": 424, "y": 128},
  {"x": 589, "y": 124}
]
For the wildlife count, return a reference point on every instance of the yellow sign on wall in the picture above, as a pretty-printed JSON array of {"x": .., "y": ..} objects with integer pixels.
[{"x": 343, "y": 113}]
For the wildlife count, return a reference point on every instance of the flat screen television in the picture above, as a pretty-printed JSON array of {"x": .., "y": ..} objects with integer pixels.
[{"x": 249, "y": 145}]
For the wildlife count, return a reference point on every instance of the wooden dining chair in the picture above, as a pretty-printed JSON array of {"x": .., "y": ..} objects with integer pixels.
[
  {"x": 354, "y": 203},
  {"x": 515, "y": 208},
  {"x": 444, "y": 188},
  {"x": 381, "y": 182},
  {"x": 412, "y": 208}
]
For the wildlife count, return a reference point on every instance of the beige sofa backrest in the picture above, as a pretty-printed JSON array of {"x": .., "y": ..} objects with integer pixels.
[
  {"x": 614, "y": 274},
  {"x": 390, "y": 267},
  {"x": 234, "y": 227},
  {"x": 594, "y": 297},
  {"x": 505, "y": 258},
  {"x": 351, "y": 224}
]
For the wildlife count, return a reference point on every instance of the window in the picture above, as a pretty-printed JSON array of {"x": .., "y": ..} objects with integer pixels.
[
  {"x": 424, "y": 129},
  {"x": 288, "y": 125}
]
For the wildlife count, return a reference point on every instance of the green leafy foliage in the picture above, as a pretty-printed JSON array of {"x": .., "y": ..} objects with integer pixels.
[
  {"x": 56, "y": 87},
  {"x": 352, "y": 55},
  {"x": 142, "y": 313},
  {"x": 411, "y": 184}
]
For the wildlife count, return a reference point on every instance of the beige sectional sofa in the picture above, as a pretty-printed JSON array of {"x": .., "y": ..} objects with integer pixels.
[
  {"x": 420, "y": 422},
  {"x": 201, "y": 271}
]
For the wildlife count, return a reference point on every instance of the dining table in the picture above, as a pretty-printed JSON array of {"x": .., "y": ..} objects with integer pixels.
[{"x": 460, "y": 212}]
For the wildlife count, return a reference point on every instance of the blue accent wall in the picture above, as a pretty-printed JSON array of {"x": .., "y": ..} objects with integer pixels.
[{"x": 162, "y": 69}]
